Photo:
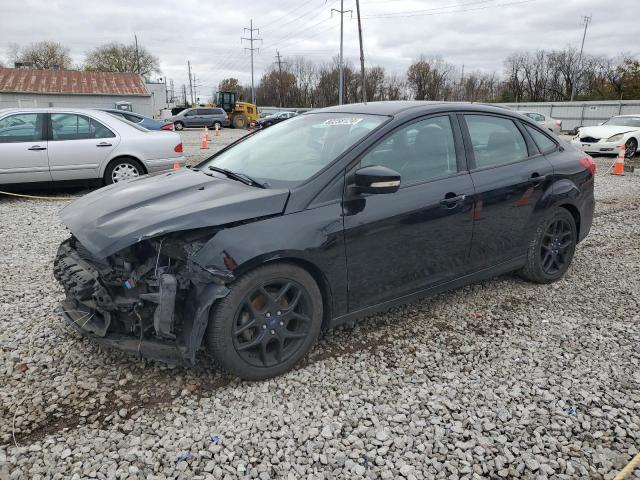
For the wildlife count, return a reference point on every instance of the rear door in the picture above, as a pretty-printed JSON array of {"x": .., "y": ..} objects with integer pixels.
[
  {"x": 78, "y": 145},
  {"x": 510, "y": 177},
  {"x": 23, "y": 149},
  {"x": 419, "y": 236}
]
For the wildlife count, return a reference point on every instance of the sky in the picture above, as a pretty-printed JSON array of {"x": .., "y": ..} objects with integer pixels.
[{"x": 478, "y": 34}]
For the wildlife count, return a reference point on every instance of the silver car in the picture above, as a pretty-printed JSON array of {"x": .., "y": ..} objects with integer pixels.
[
  {"x": 55, "y": 144},
  {"x": 546, "y": 121}
]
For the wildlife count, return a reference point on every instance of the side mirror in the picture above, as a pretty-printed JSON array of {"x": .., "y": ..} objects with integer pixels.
[{"x": 376, "y": 179}]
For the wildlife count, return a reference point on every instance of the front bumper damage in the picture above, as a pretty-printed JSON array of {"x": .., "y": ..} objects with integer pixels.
[{"x": 150, "y": 299}]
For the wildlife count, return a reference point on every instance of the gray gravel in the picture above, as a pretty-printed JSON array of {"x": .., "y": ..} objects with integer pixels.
[{"x": 503, "y": 379}]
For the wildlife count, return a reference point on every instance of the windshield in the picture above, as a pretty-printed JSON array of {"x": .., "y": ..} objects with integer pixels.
[
  {"x": 291, "y": 152},
  {"x": 624, "y": 121}
]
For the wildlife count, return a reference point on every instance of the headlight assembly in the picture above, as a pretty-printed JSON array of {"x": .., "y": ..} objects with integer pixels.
[{"x": 616, "y": 138}]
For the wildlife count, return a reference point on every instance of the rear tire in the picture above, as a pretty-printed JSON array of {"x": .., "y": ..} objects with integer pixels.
[
  {"x": 552, "y": 248},
  {"x": 218, "y": 124},
  {"x": 267, "y": 323},
  {"x": 123, "y": 168}
]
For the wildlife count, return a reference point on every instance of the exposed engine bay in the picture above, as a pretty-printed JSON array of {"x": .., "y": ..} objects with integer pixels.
[{"x": 150, "y": 297}]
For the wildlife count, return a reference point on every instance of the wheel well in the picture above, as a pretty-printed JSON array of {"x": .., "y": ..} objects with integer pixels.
[
  {"x": 574, "y": 213},
  {"x": 123, "y": 157},
  {"x": 320, "y": 279}
]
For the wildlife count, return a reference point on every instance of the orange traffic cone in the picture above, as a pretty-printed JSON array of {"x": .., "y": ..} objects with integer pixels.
[
  {"x": 618, "y": 168},
  {"x": 206, "y": 133},
  {"x": 176, "y": 165},
  {"x": 204, "y": 143},
  {"x": 251, "y": 125},
  {"x": 216, "y": 132}
]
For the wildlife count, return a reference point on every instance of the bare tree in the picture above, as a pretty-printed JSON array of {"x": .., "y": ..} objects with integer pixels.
[
  {"x": 118, "y": 57},
  {"x": 428, "y": 78},
  {"x": 42, "y": 55}
]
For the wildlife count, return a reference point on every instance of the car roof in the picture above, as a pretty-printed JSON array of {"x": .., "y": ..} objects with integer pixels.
[
  {"x": 392, "y": 108},
  {"x": 115, "y": 110},
  {"x": 628, "y": 115}
]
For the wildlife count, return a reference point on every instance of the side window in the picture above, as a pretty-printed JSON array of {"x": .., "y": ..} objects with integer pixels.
[
  {"x": 25, "y": 127},
  {"x": 68, "y": 126},
  {"x": 98, "y": 130},
  {"x": 544, "y": 143},
  {"x": 421, "y": 151},
  {"x": 191, "y": 113},
  {"x": 495, "y": 140}
]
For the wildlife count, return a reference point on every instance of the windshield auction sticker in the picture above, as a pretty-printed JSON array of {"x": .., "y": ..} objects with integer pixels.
[{"x": 343, "y": 121}]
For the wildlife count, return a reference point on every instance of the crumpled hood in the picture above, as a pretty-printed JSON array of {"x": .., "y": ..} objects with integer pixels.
[
  {"x": 604, "y": 131},
  {"x": 115, "y": 217}
]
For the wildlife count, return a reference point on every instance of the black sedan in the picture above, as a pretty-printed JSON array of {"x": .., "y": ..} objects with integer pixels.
[
  {"x": 270, "y": 120},
  {"x": 333, "y": 215}
]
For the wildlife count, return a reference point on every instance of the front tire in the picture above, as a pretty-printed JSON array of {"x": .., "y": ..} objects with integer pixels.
[
  {"x": 179, "y": 126},
  {"x": 552, "y": 248},
  {"x": 267, "y": 323},
  {"x": 630, "y": 148},
  {"x": 239, "y": 121}
]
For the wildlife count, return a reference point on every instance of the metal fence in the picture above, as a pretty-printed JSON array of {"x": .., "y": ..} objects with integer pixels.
[{"x": 580, "y": 114}]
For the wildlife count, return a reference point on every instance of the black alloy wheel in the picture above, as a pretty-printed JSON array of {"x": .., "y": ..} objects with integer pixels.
[
  {"x": 551, "y": 248},
  {"x": 556, "y": 247},
  {"x": 272, "y": 322},
  {"x": 267, "y": 323}
]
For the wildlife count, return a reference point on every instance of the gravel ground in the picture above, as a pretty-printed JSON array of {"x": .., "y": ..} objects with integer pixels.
[{"x": 502, "y": 379}]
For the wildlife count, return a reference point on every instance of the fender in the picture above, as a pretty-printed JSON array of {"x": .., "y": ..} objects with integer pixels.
[{"x": 320, "y": 244}]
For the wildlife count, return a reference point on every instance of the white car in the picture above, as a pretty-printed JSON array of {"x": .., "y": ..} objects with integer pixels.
[
  {"x": 80, "y": 145},
  {"x": 610, "y": 135},
  {"x": 552, "y": 124}
]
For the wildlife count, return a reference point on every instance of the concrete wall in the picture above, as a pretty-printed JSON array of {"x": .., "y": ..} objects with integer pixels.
[
  {"x": 580, "y": 114},
  {"x": 141, "y": 104}
]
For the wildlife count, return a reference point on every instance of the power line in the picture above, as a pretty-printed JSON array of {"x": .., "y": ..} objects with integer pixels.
[
  {"x": 417, "y": 13},
  {"x": 251, "y": 49}
]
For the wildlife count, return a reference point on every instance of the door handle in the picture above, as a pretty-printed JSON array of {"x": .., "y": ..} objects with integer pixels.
[
  {"x": 536, "y": 179},
  {"x": 451, "y": 200},
  {"x": 37, "y": 147},
  {"x": 103, "y": 144}
]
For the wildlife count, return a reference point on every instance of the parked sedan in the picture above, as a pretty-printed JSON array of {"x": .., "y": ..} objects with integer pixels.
[
  {"x": 552, "y": 124},
  {"x": 201, "y": 117},
  {"x": 270, "y": 120},
  {"x": 80, "y": 145},
  {"x": 333, "y": 215},
  {"x": 145, "y": 122},
  {"x": 619, "y": 131}
]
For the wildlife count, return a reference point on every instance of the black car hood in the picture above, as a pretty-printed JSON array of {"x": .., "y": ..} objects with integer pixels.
[{"x": 112, "y": 218}]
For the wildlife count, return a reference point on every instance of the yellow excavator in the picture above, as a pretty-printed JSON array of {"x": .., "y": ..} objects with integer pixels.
[{"x": 241, "y": 114}]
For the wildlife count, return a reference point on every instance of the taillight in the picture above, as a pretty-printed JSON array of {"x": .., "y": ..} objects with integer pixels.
[
  {"x": 167, "y": 126},
  {"x": 178, "y": 148},
  {"x": 588, "y": 163},
  {"x": 559, "y": 122}
]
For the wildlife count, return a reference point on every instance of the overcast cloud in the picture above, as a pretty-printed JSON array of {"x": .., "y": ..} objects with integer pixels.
[{"x": 476, "y": 33}]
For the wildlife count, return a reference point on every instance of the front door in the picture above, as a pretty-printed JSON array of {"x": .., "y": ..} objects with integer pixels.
[
  {"x": 510, "y": 177},
  {"x": 77, "y": 146},
  {"x": 23, "y": 149},
  {"x": 419, "y": 236}
]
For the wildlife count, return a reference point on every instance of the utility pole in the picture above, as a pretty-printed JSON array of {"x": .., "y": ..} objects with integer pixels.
[
  {"x": 462, "y": 84},
  {"x": 184, "y": 94},
  {"x": 279, "y": 62},
  {"x": 190, "y": 82},
  {"x": 587, "y": 21},
  {"x": 251, "y": 39},
  {"x": 342, "y": 11},
  {"x": 364, "y": 83},
  {"x": 137, "y": 54}
]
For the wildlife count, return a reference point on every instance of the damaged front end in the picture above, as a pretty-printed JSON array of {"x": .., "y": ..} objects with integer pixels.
[{"x": 150, "y": 299}]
